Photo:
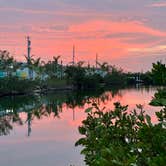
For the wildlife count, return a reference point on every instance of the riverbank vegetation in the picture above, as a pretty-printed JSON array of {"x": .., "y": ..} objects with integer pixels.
[
  {"x": 15, "y": 86},
  {"x": 122, "y": 138},
  {"x": 35, "y": 74}
]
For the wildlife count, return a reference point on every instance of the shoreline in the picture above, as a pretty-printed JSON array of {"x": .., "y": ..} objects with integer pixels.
[{"x": 37, "y": 91}]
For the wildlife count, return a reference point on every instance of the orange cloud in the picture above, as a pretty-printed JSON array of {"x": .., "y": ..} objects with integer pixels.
[{"x": 110, "y": 39}]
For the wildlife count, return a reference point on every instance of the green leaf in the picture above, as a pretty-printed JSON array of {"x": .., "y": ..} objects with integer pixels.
[
  {"x": 148, "y": 119},
  {"x": 82, "y": 130},
  {"x": 85, "y": 151},
  {"x": 88, "y": 110},
  {"x": 81, "y": 141}
]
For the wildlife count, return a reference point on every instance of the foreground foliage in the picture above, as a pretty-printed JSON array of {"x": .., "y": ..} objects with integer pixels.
[
  {"x": 119, "y": 138},
  {"x": 159, "y": 98}
]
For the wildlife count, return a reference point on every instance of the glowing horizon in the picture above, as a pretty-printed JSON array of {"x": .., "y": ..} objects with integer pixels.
[{"x": 128, "y": 34}]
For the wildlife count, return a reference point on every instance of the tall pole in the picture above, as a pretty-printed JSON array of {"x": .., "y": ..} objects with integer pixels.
[
  {"x": 96, "y": 60},
  {"x": 73, "y": 55},
  {"x": 28, "y": 49},
  {"x": 61, "y": 69},
  {"x": 29, "y": 119},
  {"x": 29, "y": 57},
  {"x": 73, "y": 114}
]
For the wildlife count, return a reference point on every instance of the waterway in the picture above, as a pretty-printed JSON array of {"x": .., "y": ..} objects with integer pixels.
[{"x": 42, "y": 130}]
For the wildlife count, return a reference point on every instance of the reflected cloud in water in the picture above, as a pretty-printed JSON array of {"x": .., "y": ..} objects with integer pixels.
[
  {"x": 42, "y": 130},
  {"x": 52, "y": 105}
]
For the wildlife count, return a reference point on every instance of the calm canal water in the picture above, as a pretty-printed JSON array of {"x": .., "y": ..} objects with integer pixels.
[{"x": 42, "y": 131}]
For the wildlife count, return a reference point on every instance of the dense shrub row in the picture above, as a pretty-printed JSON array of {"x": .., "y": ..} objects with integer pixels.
[{"x": 14, "y": 85}]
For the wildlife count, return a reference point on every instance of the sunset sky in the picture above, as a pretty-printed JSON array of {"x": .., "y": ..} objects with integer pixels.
[{"x": 128, "y": 33}]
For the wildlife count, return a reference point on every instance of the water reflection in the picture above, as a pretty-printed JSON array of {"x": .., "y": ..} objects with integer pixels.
[
  {"x": 51, "y": 122},
  {"x": 37, "y": 107}
]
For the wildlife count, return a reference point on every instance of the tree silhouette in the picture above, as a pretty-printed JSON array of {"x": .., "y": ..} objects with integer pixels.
[{"x": 159, "y": 73}]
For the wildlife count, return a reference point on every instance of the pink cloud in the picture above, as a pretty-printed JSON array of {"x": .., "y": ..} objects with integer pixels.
[
  {"x": 110, "y": 39},
  {"x": 160, "y": 4},
  {"x": 100, "y": 27}
]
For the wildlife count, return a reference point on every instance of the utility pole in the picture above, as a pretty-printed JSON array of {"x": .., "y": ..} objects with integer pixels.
[
  {"x": 29, "y": 120},
  {"x": 96, "y": 60},
  {"x": 73, "y": 55},
  {"x": 28, "y": 49},
  {"x": 73, "y": 114},
  {"x": 61, "y": 69},
  {"x": 29, "y": 56}
]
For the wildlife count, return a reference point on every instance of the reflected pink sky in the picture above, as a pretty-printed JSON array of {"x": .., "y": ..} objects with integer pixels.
[{"x": 52, "y": 139}]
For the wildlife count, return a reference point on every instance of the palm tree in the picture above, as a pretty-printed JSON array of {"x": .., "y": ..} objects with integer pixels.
[
  {"x": 33, "y": 64},
  {"x": 55, "y": 63},
  {"x": 52, "y": 66},
  {"x": 104, "y": 66},
  {"x": 80, "y": 63},
  {"x": 55, "y": 59}
]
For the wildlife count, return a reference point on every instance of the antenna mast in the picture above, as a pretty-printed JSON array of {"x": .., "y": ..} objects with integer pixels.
[{"x": 28, "y": 48}]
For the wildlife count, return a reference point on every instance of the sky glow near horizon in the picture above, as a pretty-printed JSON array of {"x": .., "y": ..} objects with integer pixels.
[{"x": 130, "y": 33}]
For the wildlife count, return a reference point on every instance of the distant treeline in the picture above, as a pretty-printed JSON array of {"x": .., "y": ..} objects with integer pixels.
[
  {"x": 108, "y": 76},
  {"x": 42, "y": 75}
]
